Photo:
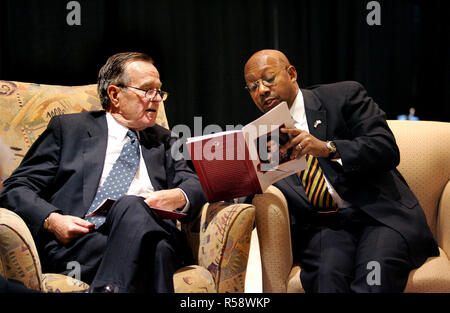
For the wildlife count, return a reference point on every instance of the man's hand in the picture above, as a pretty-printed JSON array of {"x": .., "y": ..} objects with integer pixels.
[
  {"x": 304, "y": 143},
  {"x": 68, "y": 227},
  {"x": 170, "y": 199}
]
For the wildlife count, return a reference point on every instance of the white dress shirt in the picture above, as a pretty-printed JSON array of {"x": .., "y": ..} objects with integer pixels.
[
  {"x": 117, "y": 136},
  {"x": 298, "y": 114}
]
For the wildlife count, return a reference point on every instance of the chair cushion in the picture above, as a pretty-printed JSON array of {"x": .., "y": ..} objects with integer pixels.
[
  {"x": 18, "y": 252},
  {"x": 26, "y": 109},
  {"x": 193, "y": 279},
  {"x": 428, "y": 174},
  {"x": 432, "y": 276},
  {"x": 62, "y": 283}
]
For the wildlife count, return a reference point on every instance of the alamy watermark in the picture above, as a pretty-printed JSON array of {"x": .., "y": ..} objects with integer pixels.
[
  {"x": 374, "y": 16},
  {"x": 75, "y": 272},
  {"x": 373, "y": 278},
  {"x": 74, "y": 16}
]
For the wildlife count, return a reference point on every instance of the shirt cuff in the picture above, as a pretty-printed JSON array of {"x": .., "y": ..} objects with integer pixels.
[
  {"x": 338, "y": 161},
  {"x": 186, "y": 207}
]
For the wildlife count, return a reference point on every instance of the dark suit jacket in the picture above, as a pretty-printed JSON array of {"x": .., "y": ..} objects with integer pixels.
[
  {"x": 62, "y": 169},
  {"x": 368, "y": 178}
]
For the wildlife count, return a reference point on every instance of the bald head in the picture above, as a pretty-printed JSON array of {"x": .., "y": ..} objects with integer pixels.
[
  {"x": 261, "y": 57},
  {"x": 272, "y": 77}
]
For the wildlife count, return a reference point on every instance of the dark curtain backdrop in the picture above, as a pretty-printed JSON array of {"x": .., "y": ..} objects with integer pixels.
[{"x": 200, "y": 48}]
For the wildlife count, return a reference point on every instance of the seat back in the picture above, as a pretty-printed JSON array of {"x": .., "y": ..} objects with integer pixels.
[
  {"x": 26, "y": 109},
  {"x": 424, "y": 161}
]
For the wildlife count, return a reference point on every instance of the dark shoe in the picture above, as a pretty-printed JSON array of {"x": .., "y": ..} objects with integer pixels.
[{"x": 104, "y": 289}]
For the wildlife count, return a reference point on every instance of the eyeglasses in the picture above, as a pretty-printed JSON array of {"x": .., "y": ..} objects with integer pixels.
[
  {"x": 149, "y": 93},
  {"x": 268, "y": 82}
]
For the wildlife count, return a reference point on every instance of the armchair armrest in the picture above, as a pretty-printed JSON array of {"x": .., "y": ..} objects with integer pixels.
[
  {"x": 62, "y": 283},
  {"x": 274, "y": 235},
  {"x": 220, "y": 241},
  {"x": 193, "y": 279},
  {"x": 18, "y": 253},
  {"x": 443, "y": 220}
]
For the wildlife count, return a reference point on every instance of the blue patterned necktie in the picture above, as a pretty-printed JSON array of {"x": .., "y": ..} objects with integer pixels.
[{"x": 119, "y": 178}]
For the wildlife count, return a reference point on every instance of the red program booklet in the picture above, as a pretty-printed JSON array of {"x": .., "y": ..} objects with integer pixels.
[
  {"x": 106, "y": 205},
  {"x": 239, "y": 163}
]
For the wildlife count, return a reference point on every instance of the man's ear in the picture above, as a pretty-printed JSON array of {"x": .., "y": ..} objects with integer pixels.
[
  {"x": 292, "y": 73},
  {"x": 113, "y": 93}
]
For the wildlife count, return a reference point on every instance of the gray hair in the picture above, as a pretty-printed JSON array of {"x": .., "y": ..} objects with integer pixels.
[{"x": 113, "y": 72}]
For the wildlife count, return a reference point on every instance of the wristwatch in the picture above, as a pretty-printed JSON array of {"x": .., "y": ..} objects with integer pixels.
[{"x": 332, "y": 148}]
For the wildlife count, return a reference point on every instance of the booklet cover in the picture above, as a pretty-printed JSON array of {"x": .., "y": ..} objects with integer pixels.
[{"x": 234, "y": 164}]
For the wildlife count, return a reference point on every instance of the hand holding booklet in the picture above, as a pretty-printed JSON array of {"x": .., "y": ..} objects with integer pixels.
[
  {"x": 106, "y": 205},
  {"x": 239, "y": 163}
]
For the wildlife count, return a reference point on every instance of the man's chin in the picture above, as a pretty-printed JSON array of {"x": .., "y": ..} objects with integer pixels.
[{"x": 144, "y": 124}]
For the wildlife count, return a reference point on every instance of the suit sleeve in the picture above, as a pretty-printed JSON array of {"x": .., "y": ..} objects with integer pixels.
[
  {"x": 25, "y": 190},
  {"x": 371, "y": 145},
  {"x": 183, "y": 177}
]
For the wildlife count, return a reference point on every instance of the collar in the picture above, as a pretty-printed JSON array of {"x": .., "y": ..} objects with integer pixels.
[
  {"x": 115, "y": 130},
  {"x": 298, "y": 107},
  {"x": 297, "y": 111}
]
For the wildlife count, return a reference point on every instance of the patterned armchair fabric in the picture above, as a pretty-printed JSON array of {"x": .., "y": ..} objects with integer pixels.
[
  {"x": 220, "y": 236},
  {"x": 425, "y": 159},
  {"x": 18, "y": 252}
]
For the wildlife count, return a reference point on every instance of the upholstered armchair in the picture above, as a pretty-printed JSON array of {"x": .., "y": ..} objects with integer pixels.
[
  {"x": 425, "y": 158},
  {"x": 219, "y": 237}
]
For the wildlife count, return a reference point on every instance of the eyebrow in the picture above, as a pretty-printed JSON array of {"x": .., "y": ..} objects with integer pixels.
[
  {"x": 150, "y": 83},
  {"x": 266, "y": 71}
]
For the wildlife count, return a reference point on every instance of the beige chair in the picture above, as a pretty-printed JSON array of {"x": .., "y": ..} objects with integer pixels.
[
  {"x": 425, "y": 164},
  {"x": 219, "y": 237}
]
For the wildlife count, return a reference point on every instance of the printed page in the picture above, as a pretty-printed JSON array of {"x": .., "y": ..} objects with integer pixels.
[{"x": 263, "y": 138}]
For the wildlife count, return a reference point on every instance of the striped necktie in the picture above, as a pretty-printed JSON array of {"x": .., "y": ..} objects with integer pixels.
[{"x": 316, "y": 188}]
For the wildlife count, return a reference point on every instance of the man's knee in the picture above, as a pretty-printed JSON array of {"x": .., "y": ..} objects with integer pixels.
[
  {"x": 164, "y": 250},
  {"x": 333, "y": 277},
  {"x": 328, "y": 277},
  {"x": 129, "y": 208},
  {"x": 130, "y": 200}
]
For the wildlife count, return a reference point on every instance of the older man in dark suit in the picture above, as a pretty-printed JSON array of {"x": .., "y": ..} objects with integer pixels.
[
  {"x": 350, "y": 209},
  {"x": 82, "y": 159}
]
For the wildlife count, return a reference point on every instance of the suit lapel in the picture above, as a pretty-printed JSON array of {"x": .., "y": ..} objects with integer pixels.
[
  {"x": 94, "y": 152},
  {"x": 315, "y": 115},
  {"x": 317, "y": 124},
  {"x": 154, "y": 159},
  {"x": 150, "y": 156}
]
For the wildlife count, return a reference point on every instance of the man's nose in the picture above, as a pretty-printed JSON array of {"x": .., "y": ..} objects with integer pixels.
[
  {"x": 156, "y": 98},
  {"x": 262, "y": 89}
]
